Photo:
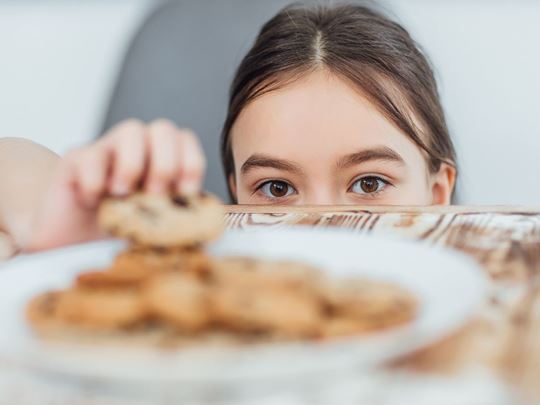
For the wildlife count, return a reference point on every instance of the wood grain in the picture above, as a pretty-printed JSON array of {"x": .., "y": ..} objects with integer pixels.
[{"x": 420, "y": 209}]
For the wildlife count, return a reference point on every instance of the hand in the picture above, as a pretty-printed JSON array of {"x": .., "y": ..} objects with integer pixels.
[{"x": 158, "y": 158}]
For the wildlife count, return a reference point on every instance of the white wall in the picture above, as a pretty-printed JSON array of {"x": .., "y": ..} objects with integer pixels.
[{"x": 59, "y": 59}]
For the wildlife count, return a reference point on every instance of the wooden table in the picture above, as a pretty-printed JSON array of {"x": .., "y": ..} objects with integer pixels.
[
  {"x": 505, "y": 241},
  {"x": 504, "y": 339}
]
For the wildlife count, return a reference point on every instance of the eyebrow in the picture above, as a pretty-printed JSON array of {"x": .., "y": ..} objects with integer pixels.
[
  {"x": 363, "y": 156},
  {"x": 257, "y": 160}
]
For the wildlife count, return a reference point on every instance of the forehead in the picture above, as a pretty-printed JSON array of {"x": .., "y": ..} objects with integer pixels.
[{"x": 318, "y": 116}]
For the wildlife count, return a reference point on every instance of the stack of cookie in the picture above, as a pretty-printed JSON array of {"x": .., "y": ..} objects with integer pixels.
[{"x": 165, "y": 285}]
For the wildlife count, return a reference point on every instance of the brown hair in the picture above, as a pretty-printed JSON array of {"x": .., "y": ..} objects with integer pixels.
[{"x": 361, "y": 45}]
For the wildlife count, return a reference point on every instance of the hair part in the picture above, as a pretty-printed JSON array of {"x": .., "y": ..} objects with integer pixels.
[{"x": 360, "y": 45}]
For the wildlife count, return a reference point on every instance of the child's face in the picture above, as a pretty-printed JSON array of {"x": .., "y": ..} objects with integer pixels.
[{"x": 318, "y": 141}]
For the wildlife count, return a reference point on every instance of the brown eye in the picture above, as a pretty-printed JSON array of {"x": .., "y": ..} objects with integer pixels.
[
  {"x": 276, "y": 189},
  {"x": 368, "y": 185}
]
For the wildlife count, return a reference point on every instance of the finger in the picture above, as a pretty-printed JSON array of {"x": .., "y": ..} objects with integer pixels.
[
  {"x": 164, "y": 156},
  {"x": 192, "y": 163},
  {"x": 90, "y": 167},
  {"x": 91, "y": 175},
  {"x": 126, "y": 145}
]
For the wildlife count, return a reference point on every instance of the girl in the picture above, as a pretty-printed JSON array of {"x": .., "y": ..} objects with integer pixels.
[{"x": 332, "y": 105}]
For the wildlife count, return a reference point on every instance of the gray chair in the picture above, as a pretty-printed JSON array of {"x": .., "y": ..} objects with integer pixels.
[{"x": 180, "y": 65}]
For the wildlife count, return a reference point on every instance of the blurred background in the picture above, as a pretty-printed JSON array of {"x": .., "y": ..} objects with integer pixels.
[{"x": 70, "y": 69}]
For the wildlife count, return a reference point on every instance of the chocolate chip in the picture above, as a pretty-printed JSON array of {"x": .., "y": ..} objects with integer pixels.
[
  {"x": 193, "y": 247},
  {"x": 206, "y": 276},
  {"x": 180, "y": 201},
  {"x": 328, "y": 310},
  {"x": 160, "y": 250}
]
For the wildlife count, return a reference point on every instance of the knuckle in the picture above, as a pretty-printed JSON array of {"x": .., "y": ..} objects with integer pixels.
[
  {"x": 162, "y": 126},
  {"x": 127, "y": 129},
  {"x": 126, "y": 136},
  {"x": 162, "y": 122}
]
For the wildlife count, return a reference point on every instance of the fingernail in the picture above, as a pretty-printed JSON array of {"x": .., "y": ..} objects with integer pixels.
[{"x": 119, "y": 189}]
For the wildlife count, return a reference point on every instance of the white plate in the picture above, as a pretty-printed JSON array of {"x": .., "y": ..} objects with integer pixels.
[{"x": 449, "y": 287}]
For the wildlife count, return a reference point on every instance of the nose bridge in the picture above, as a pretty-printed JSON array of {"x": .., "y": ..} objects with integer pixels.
[{"x": 322, "y": 192}]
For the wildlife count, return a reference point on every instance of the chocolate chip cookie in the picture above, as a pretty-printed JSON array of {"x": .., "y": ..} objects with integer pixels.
[{"x": 162, "y": 221}]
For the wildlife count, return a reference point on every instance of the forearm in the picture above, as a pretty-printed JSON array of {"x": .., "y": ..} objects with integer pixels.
[{"x": 26, "y": 169}]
